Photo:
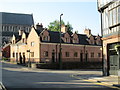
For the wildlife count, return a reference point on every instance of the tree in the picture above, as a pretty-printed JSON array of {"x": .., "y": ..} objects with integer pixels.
[
  {"x": 69, "y": 27},
  {"x": 55, "y": 26}
]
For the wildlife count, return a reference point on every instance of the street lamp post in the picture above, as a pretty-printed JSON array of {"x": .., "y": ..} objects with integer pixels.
[
  {"x": 60, "y": 59},
  {"x": 29, "y": 63}
]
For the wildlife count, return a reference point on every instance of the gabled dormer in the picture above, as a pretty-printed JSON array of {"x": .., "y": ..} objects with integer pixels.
[
  {"x": 45, "y": 35},
  {"x": 24, "y": 38},
  {"x": 66, "y": 37},
  {"x": 75, "y": 38},
  {"x": 13, "y": 39},
  {"x": 91, "y": 40},
  {"x": 98, "y": 40}
]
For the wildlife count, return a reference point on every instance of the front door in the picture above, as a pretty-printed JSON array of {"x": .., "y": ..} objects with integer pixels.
[
  {"x": 81, "y": 57},
  {"x": 53, "y": 57},
  {"x": 114, "y": 64},
  {"x": 86, "y": 57}
]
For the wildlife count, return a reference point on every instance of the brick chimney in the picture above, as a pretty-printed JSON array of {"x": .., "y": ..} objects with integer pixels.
[
  {"x": 39, "y": 26},
  {"x": 87, "y": 32},
  {"x": 63, "y": 28},
  {"x": 21, "y": 32}
]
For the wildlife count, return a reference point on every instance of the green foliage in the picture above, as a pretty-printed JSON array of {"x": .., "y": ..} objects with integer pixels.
[
  {"x": 55, "y": 26},
  {"x": 5, "y": 59},
  {"x": 70, "y": 28}
]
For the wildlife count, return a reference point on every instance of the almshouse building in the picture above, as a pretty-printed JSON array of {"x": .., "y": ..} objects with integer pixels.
[{"x": 43, "y": 45}]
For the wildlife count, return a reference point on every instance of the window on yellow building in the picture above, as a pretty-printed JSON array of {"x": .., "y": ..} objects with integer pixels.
[
  {"x": 32, "y": 43},
  {"x": 32, "y": 54},
  {"x": 23, "y": 40}
]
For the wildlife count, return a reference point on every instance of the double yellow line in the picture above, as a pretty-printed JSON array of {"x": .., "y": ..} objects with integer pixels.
[{"x": 92, "y": 81}]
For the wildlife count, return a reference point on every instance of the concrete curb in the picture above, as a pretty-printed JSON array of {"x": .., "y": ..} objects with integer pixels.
[
  {"x": 98, "y": 80},
  {"x": 2, "y": 87}
]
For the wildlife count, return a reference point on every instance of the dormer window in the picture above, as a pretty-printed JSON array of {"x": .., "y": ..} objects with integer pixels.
[
  {"x": 45, "y": 38},
  {"x": 75, "y": 40},
  {"x": 92, "y": 42},
  {"x": 98, "y": 42},
  {"x": 67, "y": 40},
  {"x": 13, "y": 42},
  {"x": 45, "y": 35}
]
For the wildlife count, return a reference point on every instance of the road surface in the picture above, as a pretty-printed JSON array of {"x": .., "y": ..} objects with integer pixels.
[{"x": 18, "y": 77}]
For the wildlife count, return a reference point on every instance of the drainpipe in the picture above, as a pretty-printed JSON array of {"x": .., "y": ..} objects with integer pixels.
[
  {"x": 84, "y": 54},
  {"x": 40, "y": 52},
  {"x": 56, "y": 52},
  {"x": 105, "y": 70}
]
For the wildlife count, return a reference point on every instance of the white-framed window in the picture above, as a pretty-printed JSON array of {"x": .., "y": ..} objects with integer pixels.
[
  {"x": 32, "y": 43},
  {"x": 119, "y": 14},
  {"x": 75, "y": 40},
  {"x": 32, "y": 54},
  {"x": 45, "y": 38}
]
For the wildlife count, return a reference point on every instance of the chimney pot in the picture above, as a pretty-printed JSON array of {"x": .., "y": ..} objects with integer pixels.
[{"x": 87, "y": 32}]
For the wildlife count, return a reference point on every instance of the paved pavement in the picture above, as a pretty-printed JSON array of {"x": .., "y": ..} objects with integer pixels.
[
  {"x": 15, "y": 76},
  {"x": 110, "y": 81}
]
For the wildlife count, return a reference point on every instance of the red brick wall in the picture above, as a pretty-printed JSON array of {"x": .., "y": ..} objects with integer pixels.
[
  {"x": 71, "y": 49},
  {"x": 6, "y": 52}
]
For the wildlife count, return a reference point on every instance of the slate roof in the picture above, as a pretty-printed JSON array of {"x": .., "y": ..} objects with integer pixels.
[
  {"x": 83, "y": 39},
  {"x": 16, "y": 18},
  {"x": 38, "y": 32},
  {"x": 18, "y": 37},
  {"x": 8, "y": 33},
  {"x": 55, "y": 38}
]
